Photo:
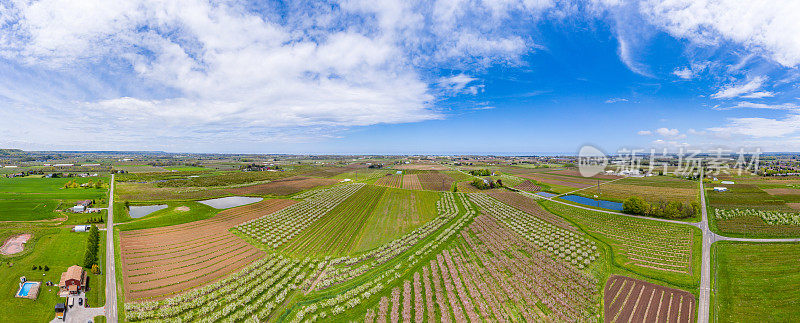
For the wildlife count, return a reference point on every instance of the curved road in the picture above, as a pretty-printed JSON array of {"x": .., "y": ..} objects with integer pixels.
[
  {"x": 709, "y": 238},
  {"x": 111, "y": 277}
]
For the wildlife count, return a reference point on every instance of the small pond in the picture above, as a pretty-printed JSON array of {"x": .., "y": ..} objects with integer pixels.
[
  {"x": 545, "y": 194},
  {"x": 616, "y": 206},
  {"x": 230, "y": 201},
  {"x": 138, "y": 211}
]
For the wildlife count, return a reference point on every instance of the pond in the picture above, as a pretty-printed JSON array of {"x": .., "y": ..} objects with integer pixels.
[
  {"x": 138, "y": 211},
  {"x": 230, "y": 201},
  {"x": 616, "y": 206},
  {"x": 545, "y": 194}
]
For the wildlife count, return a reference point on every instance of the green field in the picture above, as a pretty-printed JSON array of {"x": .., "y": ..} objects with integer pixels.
[
  {"x": 30, "y": 198},
  {"x": 169, "y": 216},
  {"x": 185, "y": 168},
  {"x": 398, "y": 212},
  {"x": 674, "y": 248},
  {"x": 57, "y": 248},
  {"x": 369, "y": 218},
  {"x": 756, "y": 282}
]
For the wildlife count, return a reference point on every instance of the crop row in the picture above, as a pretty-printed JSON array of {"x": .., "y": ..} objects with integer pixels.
[
  {"x": 344, "y": 268},
  {"x": 465, "y": 283},
  {"x": 770, "y": 217},
  {"x": 645, "y": 243},
  {"x": 251, "y": 292},
  {"x": 572, "y": 247},
  {"x": 277, "y": 228},
  {"x": 366, "y": 291}
]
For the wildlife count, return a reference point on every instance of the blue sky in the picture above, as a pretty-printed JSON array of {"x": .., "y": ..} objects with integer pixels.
[{"x": 437, "y": 77}]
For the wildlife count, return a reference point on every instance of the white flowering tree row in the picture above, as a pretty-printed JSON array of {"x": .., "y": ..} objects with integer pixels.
[
  {"x": 251, "y": 293},
  {"x": 277, "y": 228},
  {"x": 369, "y": 290},
  {"x": 770, "y": 217},
  {"x": 572, "y": 247},
  {"x": 345, "y": 268}
]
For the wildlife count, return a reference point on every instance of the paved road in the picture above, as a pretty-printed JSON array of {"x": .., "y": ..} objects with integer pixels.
[
  {"x": 111, "y": 281},
  {"x": 709, "y": 237}
]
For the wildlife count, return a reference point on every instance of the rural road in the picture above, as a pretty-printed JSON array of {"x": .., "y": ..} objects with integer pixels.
[
  {"x": 709, "y": 237},
  {"x": 111, "y": 277}
]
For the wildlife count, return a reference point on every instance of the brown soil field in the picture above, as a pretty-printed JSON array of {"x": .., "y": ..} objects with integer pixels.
[
  {"x": 164, "y": 261},
  {"x": 15, "y": 244},
  {"x": 632, "y": 300},
  {"x": 649, "y": 193},
  {"x": 436, "y": 181},
  {"x": 754, "y": 224},
  {"x": 411, "y": 182},
  {"x": 558, "y": 180},
  {"x": 795, "y": 206},
  {"x": 394, "y": 180},
  {"x": 330, "y": 171},
  {"x": 573, "y": 172},
  {"x": 782, "y": 191},
  {"x": 421, "y": 167},
  {"x": 529, "y": 205},
  {"x": 285, "y": 186},
  {"x": 528, "y": 186}
]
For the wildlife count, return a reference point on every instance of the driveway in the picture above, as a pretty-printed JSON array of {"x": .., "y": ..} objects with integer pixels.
[{"x": 79, "y": 313}]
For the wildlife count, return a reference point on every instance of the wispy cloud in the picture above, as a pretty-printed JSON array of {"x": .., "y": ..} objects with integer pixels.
[
  {"x": 644, "y": 133},
  {"x": 760, "y": 127},
  {"x": 752, "y": 105},
  {"x": 736, "y": 90},
  {"x": 615, "y": 100},
  {"x": 684, "y": 73}
]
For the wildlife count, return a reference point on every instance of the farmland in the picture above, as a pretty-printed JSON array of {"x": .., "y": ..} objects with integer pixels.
[
  {"x": 29, "y": 198},
  {"x": 756, "y": 282},
  {"x": 159, "y": 262},
  {"x": 435, "y": 181},
  {"x": 286, "y": 186},
  {"x": 669, "y": 252},
  {"x": 628, "y": 299},
  {"x": 394, "y": 180}
]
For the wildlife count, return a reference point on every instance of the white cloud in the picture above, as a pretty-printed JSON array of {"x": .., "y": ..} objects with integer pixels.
[
  {"x": 767, "y": 28},
  {"x": 615, "y": 100},
  {"x": 759, "y": 95},
  {"x": 684, "y": 73},
  {"x": 222, "y": 69},
  {"x": 666, "y": 132},
  {"x": 644, "y": 133},
  {"x": 752, "y": 105},
  {"x": 735, "y": 90},
  {"x": 458, "y": 84},
  {"x": 760, "y": 127}
]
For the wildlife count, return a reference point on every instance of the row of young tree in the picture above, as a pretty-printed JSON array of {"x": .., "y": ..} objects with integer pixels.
[
  {"x": 661, "y": 209},
  {"x": 90, "y": 260}
]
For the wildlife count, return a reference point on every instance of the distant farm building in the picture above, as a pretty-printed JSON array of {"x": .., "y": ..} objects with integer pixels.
[
  {"x": 81, "y": 206},
  {"x": 82, "y": 228},
  {"x": 727, "y": 182},
  {"x": 73, "y": 281},
  {"x": 720, "y": 189}
]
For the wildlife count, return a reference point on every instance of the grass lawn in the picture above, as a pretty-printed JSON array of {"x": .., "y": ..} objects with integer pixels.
[
  {"x": 756, "y": 282},
  {"x": 55, "y": 247},
  {"x": 169, "y": 216},
  {"x": 29, "y": 198}
]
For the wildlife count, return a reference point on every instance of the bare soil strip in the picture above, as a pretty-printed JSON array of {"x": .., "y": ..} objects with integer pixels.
[
  {"x": 646, "y": 302},
  {"x": 160, "y": 262}
]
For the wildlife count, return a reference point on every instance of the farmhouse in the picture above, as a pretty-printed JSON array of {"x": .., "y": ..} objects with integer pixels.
[
  {"x": 73, "y": 281},
  {"x": 81, "y": 206}
]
